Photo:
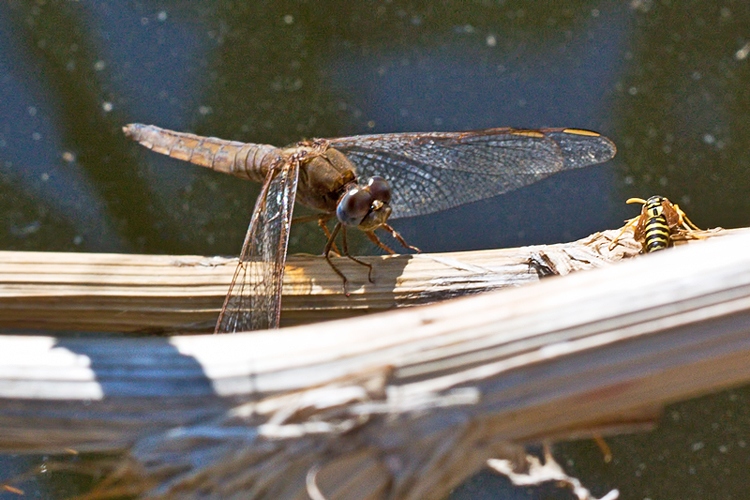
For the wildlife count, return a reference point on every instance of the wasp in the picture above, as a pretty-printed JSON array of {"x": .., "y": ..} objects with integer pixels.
[{"x": 657, "y": 225}]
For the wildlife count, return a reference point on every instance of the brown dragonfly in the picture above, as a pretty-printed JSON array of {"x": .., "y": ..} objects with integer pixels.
[{"x": 363, "y": 181}]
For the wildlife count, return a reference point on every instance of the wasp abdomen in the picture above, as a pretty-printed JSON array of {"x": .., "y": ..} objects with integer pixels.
[
  {"x": 656, "y": 230},
  {"x": 657, "y": 234}
]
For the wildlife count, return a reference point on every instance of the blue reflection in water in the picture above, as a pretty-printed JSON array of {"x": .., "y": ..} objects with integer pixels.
[
  {"x": 159, "y": 75},
  {"x": 31, "y": 156},
  {"x": 161, "y": 88},
  {"x": 157, "y": 60},
  {"x": 468, "y": 84},
  {"x": 473, "y": 84}
]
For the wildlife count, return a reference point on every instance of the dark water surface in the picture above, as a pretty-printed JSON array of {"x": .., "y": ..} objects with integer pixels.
[{"x": 667, "y": 81}]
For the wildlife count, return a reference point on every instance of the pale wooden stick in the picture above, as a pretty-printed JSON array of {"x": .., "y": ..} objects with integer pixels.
[
  {"x": 406, "y": 403},
  {"x": 156, "y": 293}
]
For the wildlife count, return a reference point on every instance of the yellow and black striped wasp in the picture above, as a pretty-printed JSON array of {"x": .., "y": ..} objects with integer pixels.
[{"x": 658, "y": 224}]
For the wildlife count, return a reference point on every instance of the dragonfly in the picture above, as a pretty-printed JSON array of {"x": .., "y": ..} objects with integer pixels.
[{"x": 362, "y": 182}]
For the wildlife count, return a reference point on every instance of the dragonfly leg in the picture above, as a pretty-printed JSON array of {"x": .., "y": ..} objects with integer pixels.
[
  {"x": 327, "y": 251},
  {"x": 346, "y": 252},
  {"x": 604, "y": 448},
  {"x": 400, "y": 239},
  {"x": 323, "y": 223},
  {"x": 305, "y": 218},
  {"x": 374, "y": 238},
  {"x": 322, "y": 220}
]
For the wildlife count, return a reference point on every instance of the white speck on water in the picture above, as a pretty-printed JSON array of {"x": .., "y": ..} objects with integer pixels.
[
  {"x": 162, "y": 16},
  {"x": 44, "y": 177},
  {"x": 491, "y": 40},
  {"x": 742, "y": 54},
  {"x": 77, "y": 240},
  {"x": 99, "y": 65},
  {"x": 36, "y": 136},
  {"x": 288, "y": 19},
  {"x": 31, "y": 110},
  {"x": 107, "y": 106},
  {"x": 697, "y": 446},
  {"x": 205, "y": 110},
  {"x": 68, "y": 156},
  {"x": 28, "y": 229}
]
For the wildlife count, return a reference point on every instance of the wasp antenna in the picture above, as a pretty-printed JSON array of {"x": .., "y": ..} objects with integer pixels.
[{"x": 636, "y": 200}]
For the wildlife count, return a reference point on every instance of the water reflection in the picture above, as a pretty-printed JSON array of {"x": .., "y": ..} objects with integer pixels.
[
  {"x": 274, "y": 74},
  {"x": 682, "y": 109},
  {"x": 666, "y": 81}
]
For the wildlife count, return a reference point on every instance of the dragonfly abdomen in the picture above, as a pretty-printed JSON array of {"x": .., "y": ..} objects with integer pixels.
[{"x": 245, "y": 160}]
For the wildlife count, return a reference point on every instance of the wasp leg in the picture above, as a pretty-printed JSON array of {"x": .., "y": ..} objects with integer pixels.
[
  {"x": 628, "y": 224},
  {"x": 685, "y": 222}
]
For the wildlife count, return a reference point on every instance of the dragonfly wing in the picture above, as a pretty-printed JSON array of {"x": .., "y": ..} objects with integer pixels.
[
  {"x": 254, "y": 298},
  {"x": 429, "y": 172}
]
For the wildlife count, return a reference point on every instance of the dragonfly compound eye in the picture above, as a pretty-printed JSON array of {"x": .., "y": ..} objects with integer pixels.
[
  {"x": 354, "y": 206},
  {"x": 379, "y": 189}
]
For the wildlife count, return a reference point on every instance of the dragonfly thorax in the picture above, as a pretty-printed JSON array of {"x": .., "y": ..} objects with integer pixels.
[{"x": 324, "y": 176}]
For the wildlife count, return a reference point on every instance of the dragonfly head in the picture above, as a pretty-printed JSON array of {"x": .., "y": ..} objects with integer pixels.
[{"x": 365, "y": 206}]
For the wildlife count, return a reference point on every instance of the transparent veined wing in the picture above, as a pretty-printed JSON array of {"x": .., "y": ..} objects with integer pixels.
[
  {"x": 434, "y": 171},
  {"x": 254, "y": 298}
]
